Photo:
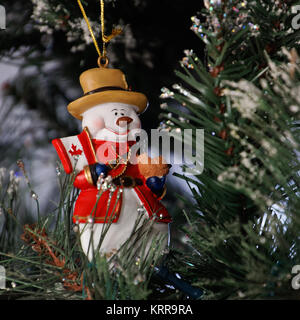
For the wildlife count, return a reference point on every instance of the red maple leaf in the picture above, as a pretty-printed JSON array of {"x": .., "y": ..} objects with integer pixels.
[{"x": 74, "y": 151}]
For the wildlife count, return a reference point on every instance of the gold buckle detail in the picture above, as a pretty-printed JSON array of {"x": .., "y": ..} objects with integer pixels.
[{"x": 113, "y": 164}]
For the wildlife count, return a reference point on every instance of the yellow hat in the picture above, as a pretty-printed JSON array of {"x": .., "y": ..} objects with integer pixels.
[{"x": 102, "y": 85}]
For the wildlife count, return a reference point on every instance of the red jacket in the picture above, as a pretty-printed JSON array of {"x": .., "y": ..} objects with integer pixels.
[{"x": 86, "y": 205}]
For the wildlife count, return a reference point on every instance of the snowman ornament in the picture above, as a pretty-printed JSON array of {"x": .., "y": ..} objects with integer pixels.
[{"x": 114, "y": 191}]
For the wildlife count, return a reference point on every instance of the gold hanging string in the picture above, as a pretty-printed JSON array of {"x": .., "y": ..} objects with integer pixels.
[
  {"x": 89, "y": 27},
  {"x": 115, "y": 32},
  {"x": 102, "y": 60}
]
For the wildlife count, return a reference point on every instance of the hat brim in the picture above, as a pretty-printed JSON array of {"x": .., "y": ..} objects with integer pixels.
[{"x": 77, "y": 107}]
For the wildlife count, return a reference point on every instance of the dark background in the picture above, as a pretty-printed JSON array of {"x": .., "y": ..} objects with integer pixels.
[{"x": 160, "y": 30}]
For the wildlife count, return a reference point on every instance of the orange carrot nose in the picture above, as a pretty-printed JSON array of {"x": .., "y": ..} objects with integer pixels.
[{"x": 124, "y": 121}]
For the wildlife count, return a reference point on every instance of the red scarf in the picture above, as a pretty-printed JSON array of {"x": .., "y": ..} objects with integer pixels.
[{"x": 110, "y": 149}]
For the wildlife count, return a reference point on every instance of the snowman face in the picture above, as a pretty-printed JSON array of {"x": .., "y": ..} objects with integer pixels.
[{"x": 117, "y": 118}]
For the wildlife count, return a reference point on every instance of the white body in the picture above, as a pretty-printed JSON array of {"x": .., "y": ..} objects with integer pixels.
[
  {"x": 120, "y": 231},
  {"x": 101, "y": 121}
]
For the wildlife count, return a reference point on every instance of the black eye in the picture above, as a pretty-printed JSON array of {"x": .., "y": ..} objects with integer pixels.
[
  {"x": 116, "y": 113},
  {"x": 122, "y": 114}
]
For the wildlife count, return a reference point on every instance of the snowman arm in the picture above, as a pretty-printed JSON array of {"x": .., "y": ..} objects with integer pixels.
[
  {"x": 97, "y": 169},
  {"x": 83, "y": 180},
  {"x": 89, "y": 175},
  {"x": 157, "y": 186}
]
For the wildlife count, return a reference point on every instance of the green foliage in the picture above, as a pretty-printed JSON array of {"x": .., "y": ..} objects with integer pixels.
[
  {"x": 243, "y": 225},
  {"x": 243, "y": 229},
  {"x": 8, "y": 209},
  {"x": 47, "y": 262}
]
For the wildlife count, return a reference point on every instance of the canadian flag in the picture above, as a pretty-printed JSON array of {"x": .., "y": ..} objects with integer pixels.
[{"x": 75, "y": 152}]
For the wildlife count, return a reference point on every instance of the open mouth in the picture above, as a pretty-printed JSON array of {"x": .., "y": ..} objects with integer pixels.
[{"x": 124, "y": 121}]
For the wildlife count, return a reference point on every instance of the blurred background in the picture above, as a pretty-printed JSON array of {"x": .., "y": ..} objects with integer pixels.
[{"x": 43, "y": 50}]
